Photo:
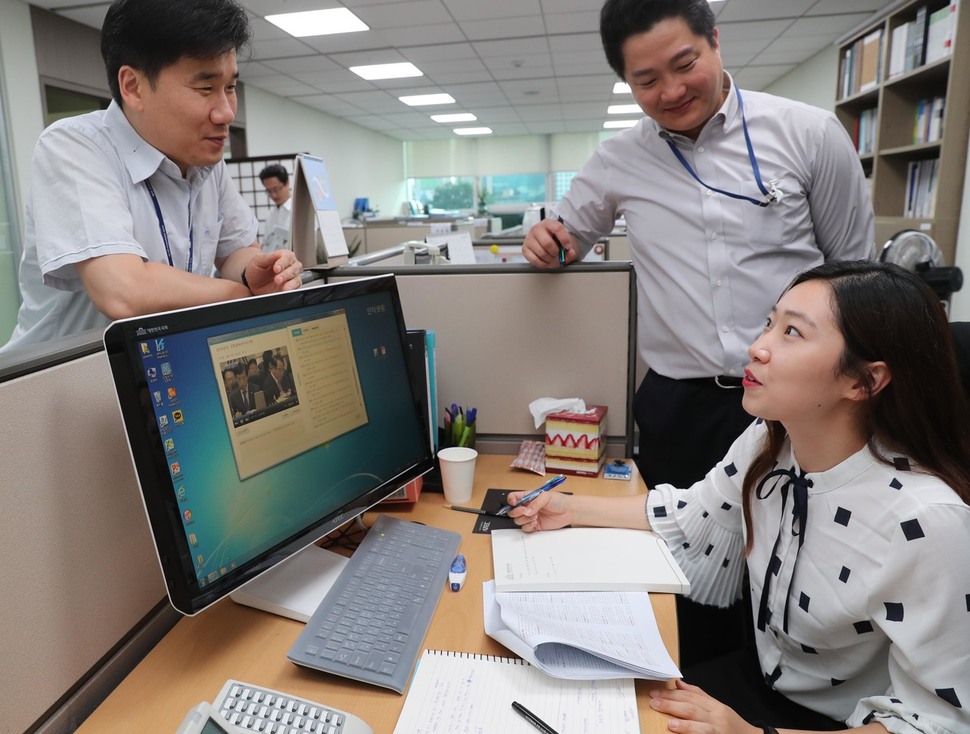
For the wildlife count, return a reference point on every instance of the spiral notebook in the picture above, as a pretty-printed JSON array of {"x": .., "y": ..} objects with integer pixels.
[{"x": 456, "y": 691}]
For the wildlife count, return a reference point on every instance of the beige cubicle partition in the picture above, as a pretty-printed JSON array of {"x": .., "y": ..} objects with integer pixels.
[
  {"x": 81, "y": 596},
  {"x": 509, "y": 334}
]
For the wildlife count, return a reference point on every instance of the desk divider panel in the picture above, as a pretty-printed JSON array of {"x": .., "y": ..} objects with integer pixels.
[
  {"x": 79, "y": 576},
  {"x": 509, "y": 334}
]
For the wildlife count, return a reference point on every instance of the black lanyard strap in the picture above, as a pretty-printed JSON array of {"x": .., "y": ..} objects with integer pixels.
[
  {"x": 164, "y": 231},
  {"x": 770, "y": 196}
]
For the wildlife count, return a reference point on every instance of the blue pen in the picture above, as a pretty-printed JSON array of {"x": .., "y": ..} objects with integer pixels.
[{"x": 554, "y": 482}]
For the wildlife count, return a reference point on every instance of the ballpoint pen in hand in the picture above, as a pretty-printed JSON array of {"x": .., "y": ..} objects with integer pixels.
[{"x": 554, "y": 482}]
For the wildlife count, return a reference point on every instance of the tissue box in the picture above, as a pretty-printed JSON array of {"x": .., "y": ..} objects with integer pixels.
[
  {"x": 576, "y": 442},
  {"x": 410, "y": 492}
]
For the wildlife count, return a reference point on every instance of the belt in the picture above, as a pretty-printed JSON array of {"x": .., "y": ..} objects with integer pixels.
[{"x": 726, "y": 382}]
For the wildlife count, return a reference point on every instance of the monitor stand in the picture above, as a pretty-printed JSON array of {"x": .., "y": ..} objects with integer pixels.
[{"x": 295, "y": 587}]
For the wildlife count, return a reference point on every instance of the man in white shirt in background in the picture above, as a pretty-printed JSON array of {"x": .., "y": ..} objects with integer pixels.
[{"x": 277, "y": 183}]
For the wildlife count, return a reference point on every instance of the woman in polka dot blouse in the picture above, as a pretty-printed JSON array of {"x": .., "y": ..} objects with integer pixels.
[{"x": 848, "y": 504}]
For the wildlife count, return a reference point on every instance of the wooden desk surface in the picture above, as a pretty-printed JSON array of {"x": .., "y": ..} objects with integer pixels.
[{"x": 195, "y": 658}]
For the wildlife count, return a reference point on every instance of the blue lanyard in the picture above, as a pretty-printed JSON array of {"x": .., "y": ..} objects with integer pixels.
[
  {"x": 770, "y": 196},
  {"x": 161, "y": 228}
]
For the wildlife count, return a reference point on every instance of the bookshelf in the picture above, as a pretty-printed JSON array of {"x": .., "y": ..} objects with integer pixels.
[{"x": 915, "y": 185}]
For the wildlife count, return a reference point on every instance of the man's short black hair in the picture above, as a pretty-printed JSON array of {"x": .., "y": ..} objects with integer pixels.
[
  {"x": 621, "y": 19},
  {"x": 150, "y": 35},
  {"x": 274, "y": 170}
]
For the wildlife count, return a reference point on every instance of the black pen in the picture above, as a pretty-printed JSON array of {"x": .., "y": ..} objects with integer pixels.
[
  {"x": 532, "y": 718},
  {"x": 474, "y": 510},
  {"x": 562, "y": 250}
]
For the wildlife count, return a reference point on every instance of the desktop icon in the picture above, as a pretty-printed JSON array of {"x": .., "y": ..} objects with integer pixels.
[
  {"x": 163, "y": 420},
  {"x": 158, "y": 397},
  {"x": 187, "y": 514},
  {"x": 171, "y": 394},
  {"x": 169, "y": 445},
  {"x": 178, "y": 416},
  {"x": 193, "y": 540},
  {"x": 176, "y": 467},
  {"x": 181, "y": 493},
  {"x": 159, "y": 346},
  {"x": 167, "y": 370},
  {"x": 145, "y": 349},
  {"x": 152, "y": 373}
]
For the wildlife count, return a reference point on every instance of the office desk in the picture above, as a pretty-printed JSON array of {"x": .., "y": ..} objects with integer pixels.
[{"x": 195, "y": 658}]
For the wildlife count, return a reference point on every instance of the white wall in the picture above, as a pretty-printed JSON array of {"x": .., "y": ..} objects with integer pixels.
[
  {"x": 360, "y": 162},
  {"x": 21, "y": 88},
  {"x": 813, "y": 81}
]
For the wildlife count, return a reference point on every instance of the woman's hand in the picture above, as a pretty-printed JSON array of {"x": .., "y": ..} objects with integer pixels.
[
  {"x": 693, "y": 711},
  {"x": 548, "y": 511}
]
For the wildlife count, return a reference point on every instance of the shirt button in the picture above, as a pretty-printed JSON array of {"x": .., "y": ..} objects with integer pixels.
[
  {"x": 701, "y": 149},
  {"x": 725, "y": 329},
  {"x": 718, "y": 282}
]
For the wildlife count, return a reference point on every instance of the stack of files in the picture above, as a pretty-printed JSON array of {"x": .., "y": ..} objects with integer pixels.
[
  {"x": 596, "y": 635},
  {"x": 574, "y": 604}
]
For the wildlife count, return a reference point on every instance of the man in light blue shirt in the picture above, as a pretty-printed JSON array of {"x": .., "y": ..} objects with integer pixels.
[{"x": 131, "y": 209}]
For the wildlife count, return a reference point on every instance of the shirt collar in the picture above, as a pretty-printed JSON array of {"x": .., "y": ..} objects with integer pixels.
[{"x": 140, "y": 158}]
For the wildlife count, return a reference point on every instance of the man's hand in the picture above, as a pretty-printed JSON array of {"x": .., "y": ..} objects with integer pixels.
[
  {"x": 271, "y": 272},
  {"x": 542, "y": 244}
]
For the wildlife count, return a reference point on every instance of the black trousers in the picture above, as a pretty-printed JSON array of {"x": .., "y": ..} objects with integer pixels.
[{"x": 686, "y": 427}]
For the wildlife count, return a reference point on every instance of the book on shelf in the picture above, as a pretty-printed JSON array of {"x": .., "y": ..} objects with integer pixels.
[
  {"x": 869, "y": 61},
  {"x": 585, "y": 559},
  {"x": 921, "y": 184},
  {"x": 938, "y": 31},
  {"x": 465, "y": 692},
  {"x": 897, "y": 49},
  {"x": 595, "y": 635},
  {"x": 928, "y": 123},
  {"x": 917, "y": 54}
]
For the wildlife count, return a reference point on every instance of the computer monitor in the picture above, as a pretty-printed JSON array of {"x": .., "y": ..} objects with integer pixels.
[{"x": 233, "y": 486}]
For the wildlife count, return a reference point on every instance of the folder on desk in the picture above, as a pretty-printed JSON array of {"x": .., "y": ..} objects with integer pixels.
[
  {"x": 585, "y": 559},
  {"x": 315, "y": 212}
]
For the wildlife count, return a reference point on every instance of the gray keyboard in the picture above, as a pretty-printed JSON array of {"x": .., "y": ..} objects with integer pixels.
[{"x": 371, "y": 623}]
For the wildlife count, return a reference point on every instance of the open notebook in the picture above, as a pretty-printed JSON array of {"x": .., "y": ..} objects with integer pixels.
[{"x": 459, "y": 692}]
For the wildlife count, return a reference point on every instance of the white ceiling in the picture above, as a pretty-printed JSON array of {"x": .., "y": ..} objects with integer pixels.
[{"x": 521, "y": 66}]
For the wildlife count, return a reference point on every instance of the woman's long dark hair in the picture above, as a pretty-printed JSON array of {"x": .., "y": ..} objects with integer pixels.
[{"x": 889, "y": 314}]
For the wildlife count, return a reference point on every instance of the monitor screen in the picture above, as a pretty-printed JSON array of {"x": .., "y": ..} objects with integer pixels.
[{"x": 257, "y": 426}]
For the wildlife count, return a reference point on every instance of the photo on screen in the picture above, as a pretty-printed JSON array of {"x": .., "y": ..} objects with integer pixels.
[{"x": 309, "y": 389}]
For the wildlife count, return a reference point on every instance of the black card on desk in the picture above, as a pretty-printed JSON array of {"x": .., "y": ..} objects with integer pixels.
[{"x": 493, "y": 502}]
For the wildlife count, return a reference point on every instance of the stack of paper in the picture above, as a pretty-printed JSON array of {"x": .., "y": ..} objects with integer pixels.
[{"x": 585, "y": 559}]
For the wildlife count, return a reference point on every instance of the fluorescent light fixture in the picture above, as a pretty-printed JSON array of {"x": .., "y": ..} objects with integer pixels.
[
  {"x": 621, "y": 88},
  {"x": 615, "y": 124},
  {"x": 422, "y": 100},
  {"x": 457, "y": 117},
  {"x": 387, "y": 71},
  {"x": 622, "y": 109},
  {"x": 318, "y": 22},
  {"x": 472, "y": 131}
]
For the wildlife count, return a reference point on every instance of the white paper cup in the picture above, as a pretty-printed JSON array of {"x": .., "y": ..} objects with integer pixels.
[{"x": 457, "y": 473}]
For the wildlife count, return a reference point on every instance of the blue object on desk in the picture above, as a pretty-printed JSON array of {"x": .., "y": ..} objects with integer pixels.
[{"x": 457, "y": 573}]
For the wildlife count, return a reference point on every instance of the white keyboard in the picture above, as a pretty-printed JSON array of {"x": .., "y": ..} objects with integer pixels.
[{"x": 254, "y": 708}]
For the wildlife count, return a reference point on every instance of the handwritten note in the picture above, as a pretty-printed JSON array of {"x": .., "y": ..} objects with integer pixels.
[{"x": 461, "y": 693}]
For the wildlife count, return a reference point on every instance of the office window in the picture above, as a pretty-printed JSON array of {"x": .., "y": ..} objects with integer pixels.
[
  {"x": 562, "y": 179},
  {"x": 9, "y": 233},
  {"x": 525, "y": 189},
  {"x": 439, "y": 195}
]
